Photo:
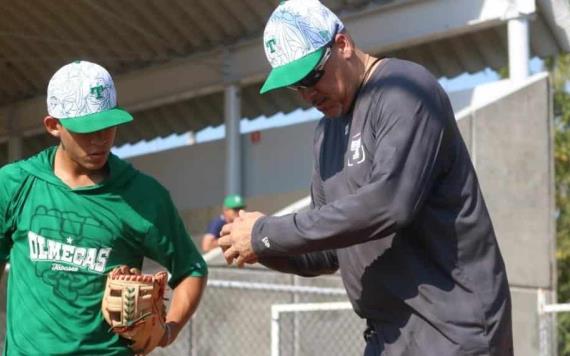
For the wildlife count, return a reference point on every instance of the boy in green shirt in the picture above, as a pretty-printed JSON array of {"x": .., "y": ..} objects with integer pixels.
[{"x": 72, "y": 213}]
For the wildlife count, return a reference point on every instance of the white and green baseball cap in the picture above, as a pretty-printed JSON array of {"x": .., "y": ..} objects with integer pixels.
[
  {"x": 82, "y": 96},
  {"x": 295, "y": 39}
]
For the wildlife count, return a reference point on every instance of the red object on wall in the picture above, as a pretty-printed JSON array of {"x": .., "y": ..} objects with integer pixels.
[{"x": 255, "y": 136}]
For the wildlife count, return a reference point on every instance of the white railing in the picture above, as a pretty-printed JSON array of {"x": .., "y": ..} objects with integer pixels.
[
  {"x": 545, "y": 332},
  {"x": 271, "y": 287},
  {"x": 269, "y": 303},
  {"x": 278, "y": 309}
]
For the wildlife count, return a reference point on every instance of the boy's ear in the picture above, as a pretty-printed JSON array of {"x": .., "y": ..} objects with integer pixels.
[{"x": 52, "y": 125}]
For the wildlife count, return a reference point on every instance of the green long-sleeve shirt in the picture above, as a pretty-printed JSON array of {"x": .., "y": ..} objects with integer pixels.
[{"x": 61, "y": 242}]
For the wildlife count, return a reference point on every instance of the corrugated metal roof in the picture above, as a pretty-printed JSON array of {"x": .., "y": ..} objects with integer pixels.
[{"x": 38, "y": 36}]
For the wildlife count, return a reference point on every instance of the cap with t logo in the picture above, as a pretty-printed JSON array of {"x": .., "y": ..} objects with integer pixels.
[
  {"x": 82, "y": 96},
  {"x": 295, "y": 39}
]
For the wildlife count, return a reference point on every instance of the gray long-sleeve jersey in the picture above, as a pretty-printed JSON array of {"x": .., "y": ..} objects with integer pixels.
[{"x": 397, "y": 206}]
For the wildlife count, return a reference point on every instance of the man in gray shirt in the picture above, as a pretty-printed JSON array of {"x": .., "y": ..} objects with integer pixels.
[{"x": 396, "y": 204}]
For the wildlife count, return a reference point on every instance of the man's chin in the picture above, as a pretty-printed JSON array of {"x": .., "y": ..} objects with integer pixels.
[{"x": 331, "y": 112}]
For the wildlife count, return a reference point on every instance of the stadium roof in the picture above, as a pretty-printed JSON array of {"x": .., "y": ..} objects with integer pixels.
[{"x": 171, "y": 59}]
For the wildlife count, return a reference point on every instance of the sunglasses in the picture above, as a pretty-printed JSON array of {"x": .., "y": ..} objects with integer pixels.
[{"x": 311, "y": 79}]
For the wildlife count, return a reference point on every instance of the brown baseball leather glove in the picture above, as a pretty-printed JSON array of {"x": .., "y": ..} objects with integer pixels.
[{"x": 133, "y": 305}]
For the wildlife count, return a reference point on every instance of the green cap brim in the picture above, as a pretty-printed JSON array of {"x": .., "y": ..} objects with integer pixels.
[
  {"x": 98, "y": 121},
  {"x": 292, "y": 72},
  {"x": 234, "y": 206}
]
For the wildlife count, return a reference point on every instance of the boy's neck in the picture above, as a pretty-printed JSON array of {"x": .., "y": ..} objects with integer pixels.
[{"x": 73, "y": 174}]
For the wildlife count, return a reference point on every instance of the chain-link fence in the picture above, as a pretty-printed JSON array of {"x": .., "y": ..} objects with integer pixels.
[
  {"x": 308, "y": 328},
  {"x": 235, "y": 317},
  {"x": 312, "y": 316}
]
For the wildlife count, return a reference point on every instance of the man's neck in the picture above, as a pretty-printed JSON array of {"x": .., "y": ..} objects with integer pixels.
[
  {"x": 73, "y": 174},
  {"x": 361, "y": 72}
]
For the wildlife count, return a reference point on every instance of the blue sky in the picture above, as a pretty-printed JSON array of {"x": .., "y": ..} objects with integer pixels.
[{"x": 464, "y": 81}]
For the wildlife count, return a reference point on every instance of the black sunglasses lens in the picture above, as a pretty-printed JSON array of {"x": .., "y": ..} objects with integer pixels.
[{"x": 311, "y": 79}]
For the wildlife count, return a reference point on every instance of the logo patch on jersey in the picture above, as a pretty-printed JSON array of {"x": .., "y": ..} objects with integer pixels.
[
  {"x": 357, "y": 154},
  {"x": 69, "y": 251},
  {"x": 57, "y": 236},
  {"x": 44, "y": 249}
]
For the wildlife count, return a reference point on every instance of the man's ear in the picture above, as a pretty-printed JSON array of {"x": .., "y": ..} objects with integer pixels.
[
  {"x": 52, "y": 125},
  {"x": 345, "y": 44}
]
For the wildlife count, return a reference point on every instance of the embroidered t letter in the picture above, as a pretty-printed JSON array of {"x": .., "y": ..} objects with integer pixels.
[
  {"x": 97, "y": 91},
  {"x": 271, "y": 45}
]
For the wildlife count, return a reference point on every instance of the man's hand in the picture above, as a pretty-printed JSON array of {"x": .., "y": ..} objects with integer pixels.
[{"x": 235, "y": 238}]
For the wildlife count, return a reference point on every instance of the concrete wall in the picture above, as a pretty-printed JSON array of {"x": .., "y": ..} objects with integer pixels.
[
  {"x": 277, "y": 171},
  {"x": 510, "y": 144},
  {"x": 279, "y": 163},
  {"x": 510, "y": 147}
]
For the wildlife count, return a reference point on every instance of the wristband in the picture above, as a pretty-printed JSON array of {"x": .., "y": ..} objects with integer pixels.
[{"x": 168, "y": 334}]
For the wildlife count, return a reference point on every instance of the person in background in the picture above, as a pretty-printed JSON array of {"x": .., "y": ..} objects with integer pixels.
[{"x": 233, "y": 203}]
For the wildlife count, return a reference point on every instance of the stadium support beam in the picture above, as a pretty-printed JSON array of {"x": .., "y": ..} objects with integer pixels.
[
  {"x": 14, "y": 137},
  {"x": 232, "y": 107},
  {"x": 14, "y": 148},
  {"x": 519, "y": 51},
  {"x": 519, "y": 40},
  {"x": 232, "y": 115}
]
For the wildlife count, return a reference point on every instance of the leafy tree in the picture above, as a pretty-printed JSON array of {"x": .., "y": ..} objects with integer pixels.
[{"x": 559, "y": 68}]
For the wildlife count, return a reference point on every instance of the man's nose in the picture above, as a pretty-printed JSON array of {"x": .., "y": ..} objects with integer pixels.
[{"x": 307, "y": 94}]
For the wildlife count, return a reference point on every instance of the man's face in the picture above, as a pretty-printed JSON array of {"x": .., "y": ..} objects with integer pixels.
[
  {"x": 230, "y": 214},
  {"x": 330, "y": 94},
  {"x": 89, "y": 151}
]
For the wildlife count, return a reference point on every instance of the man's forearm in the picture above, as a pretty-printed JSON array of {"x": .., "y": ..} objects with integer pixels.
[
  {"x": 185, "y": 299},
  {"x": 307, "y": 265}
]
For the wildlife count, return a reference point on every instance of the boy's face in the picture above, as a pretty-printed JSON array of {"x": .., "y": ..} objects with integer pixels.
[{"x": 89, "y": 151}]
